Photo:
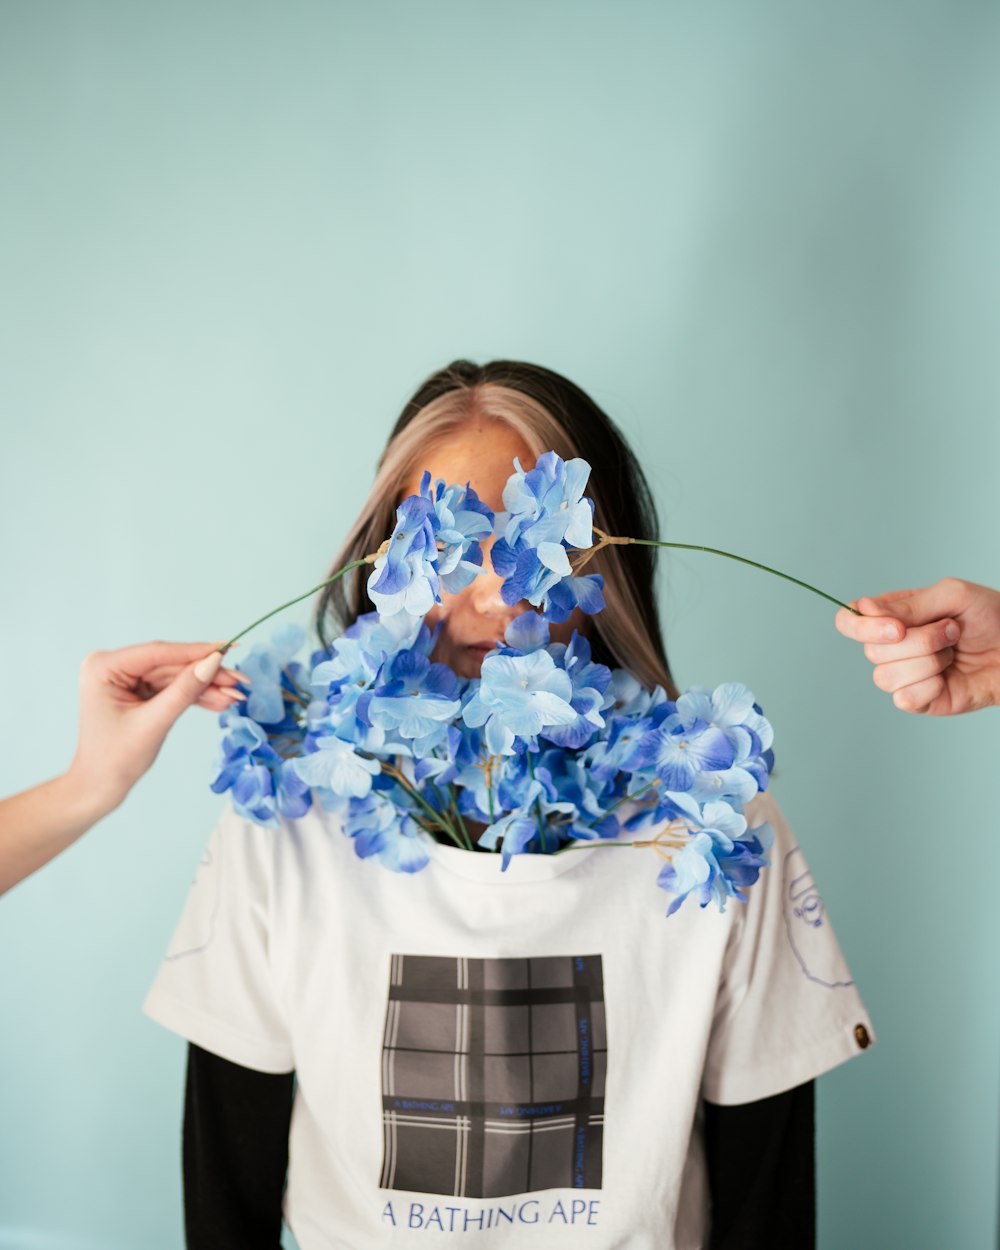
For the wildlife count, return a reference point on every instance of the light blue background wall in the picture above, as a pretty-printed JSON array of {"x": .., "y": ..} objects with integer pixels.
[{"x": 763, "y": 235}]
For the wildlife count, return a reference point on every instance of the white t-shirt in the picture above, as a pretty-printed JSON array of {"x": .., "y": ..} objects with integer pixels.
[{"x": 513, "y": 1058}]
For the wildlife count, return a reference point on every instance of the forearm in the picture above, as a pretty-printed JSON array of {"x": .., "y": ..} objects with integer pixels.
[{"x": 37, "y": 824}]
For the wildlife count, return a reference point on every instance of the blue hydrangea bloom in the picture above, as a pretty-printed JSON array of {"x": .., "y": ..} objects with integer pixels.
[
  {"x": 518, "y": 697},
  {"x": 380, "y": 828},
  {"x": 548, "y": 503},
  {"x": 435, "y": 542},
  {"x": 547, "y": 513},
  {"x": 544, "y": 577},
  {"x": 405, "y": 578},
  {"x": 264, "y": 665},
  {"x": 527, "y": 632},
  {"x": 461, "y": 522},
  {"x": 590, "y": 682},
  {"x": 416, "y": 700},
  {"x": 513, "y": 832},
  {"x": 679, "y": 753},
  {"x": 720, "y": 859},
  {"x": 336, "y": 766}
]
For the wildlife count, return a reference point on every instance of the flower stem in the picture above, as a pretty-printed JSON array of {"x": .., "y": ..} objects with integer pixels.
[
  {"x": 538, "y": 809},
  {"x": 766, "y": 568},
  {"x": 437, "y": 817},
  {"x": 459, "y": 819},
  {"x": 356, "y": 564}
]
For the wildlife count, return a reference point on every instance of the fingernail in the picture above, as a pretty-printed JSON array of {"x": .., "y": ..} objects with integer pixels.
[
  {"x": 951, "y": 631},
  {"x": 206, "y": 669},
  {"x": 239, "y": 675},
  {"x": 890, "y": 633},
  {"x": 236, "y": 695}
]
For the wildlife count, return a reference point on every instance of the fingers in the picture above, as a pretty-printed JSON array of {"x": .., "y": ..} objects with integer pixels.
[
  {"x": 140, "y": 659},
  {"x": 874, "y": 626},
  {"x": 214, "y": 700},
  {"x": 948, "y": 597},
  {"x": 918, "y": 641},
  {"x": 192, "y": 685},
  {"x": 160, "y": 677},
  {"x": 921, "y": 696},
  {"x": 896, "y": 676}
]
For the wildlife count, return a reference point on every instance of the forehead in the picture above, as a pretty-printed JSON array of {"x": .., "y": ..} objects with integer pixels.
[{"x": 481, "y": 452}]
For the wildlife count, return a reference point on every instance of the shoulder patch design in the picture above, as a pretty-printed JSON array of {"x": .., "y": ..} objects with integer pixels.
[{"x": 808, "y": 932}]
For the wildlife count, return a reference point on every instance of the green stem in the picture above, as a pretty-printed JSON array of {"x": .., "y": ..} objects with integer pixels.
[
  {"x": 460, "y": 819},
  {"x": 632, "y": 798},
  {"x": 538, "y": 809},
  {"x": 586, "y": 846},
  {"x": 489, "y": 790},
  {"x": 356, "y": 564},
  {"x": 766, "y": 568},
  {"x": 437, "y": 817},
  {"x": 450, "y": 807}
]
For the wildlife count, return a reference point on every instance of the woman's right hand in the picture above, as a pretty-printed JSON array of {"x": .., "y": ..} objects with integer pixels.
[
  {"x": 130, "y": 699},
  {"x": 936, "y": 650}
]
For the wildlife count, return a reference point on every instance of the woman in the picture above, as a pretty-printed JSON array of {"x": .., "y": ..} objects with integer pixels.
[{"x": 466, "y": 1051}]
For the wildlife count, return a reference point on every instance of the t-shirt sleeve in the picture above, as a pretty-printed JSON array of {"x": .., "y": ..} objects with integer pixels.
[
  {"x": 216, "y": 985},
  {"x": 787, "y": 1009}
]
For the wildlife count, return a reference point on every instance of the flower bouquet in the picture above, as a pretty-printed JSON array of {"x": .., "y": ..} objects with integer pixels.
[{"x": 545, "y": 752}]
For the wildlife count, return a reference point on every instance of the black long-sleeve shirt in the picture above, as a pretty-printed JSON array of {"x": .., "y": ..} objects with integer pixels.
[{"x": 760, "y": 1159}]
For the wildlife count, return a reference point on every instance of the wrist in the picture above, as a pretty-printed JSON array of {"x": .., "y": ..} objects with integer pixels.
[{"x": 84, "y": 798}]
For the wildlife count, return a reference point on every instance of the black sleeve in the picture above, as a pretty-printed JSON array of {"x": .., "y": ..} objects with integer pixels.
[
  {"x": 235, "y": 1153},
  {"x": 762, "y": 1172}
]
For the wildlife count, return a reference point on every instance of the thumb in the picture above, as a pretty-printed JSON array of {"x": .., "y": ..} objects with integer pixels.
[
  {"x": 186, "y": 688},
  {"x": 916, "y": 607}
]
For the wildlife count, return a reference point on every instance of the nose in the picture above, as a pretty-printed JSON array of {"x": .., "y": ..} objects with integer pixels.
[{"x": 485, "y": 593}]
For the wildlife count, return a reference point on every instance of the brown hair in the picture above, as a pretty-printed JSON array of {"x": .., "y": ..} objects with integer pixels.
[{"x": 551, "y": 414}]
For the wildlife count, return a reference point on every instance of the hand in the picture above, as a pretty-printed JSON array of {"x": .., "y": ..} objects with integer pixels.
[
  {"x": 936, "y": 649},
  {"x": 130, "y": 698}
]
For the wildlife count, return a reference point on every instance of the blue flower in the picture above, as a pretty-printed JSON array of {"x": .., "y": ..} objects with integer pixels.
[
  {"x": 578, "y": 795},
  {"x": 417, "y": 700},
  {"x": 518, "y": 697},
  {"x": 265, "y": 665},
  {"x": 527, "y": 632},
  {"x": 405, "y": 578},
  {"x": 544, "y": 577},
  {"x": 731, "y": 708},
  {"x": 435, "y": 542},
  {"x": 262, "y": 784},
  {"x": 358, "y": 654},
  {"x": 461, "y": 521},
  {"x": 546, "y": 514},
  {"x": 590, "y": 682},
  {"x": 254, "y": 795},
  {"x": 336, "y": 766},
  {"x": 383, "y": 829},
  {"x": 679, "y": 753},
  {"x": 570, "y": 593},
  {"x": 547, "y": 504},
  {"x": 719, "y": 860},
  {"x": 514, "y": 832}
]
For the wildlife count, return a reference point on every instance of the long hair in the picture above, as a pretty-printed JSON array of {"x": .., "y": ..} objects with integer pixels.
[{"x": 549, "y": 413}]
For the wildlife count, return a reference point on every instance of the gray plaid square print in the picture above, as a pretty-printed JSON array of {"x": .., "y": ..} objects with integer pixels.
[{"x": 493, "y": 1075}]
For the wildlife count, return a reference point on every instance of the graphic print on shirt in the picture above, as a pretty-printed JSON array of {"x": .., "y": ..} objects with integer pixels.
[
  {"x": 805, "y": 920},
  {"x": 493, "y": 1074}
]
